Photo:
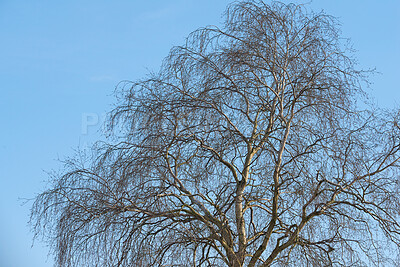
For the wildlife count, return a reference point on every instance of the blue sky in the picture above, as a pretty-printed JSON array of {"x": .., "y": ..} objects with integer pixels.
[{"x": 60, "y": 62}]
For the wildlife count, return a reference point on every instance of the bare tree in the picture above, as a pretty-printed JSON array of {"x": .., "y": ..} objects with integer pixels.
[{"x": 248, "y": 148}]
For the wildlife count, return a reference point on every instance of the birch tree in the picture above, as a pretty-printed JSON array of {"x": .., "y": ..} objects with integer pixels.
[{"x": 249, "y": 147}]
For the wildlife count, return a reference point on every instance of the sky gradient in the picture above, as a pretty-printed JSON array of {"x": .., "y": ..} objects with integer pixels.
[{"x": 60, "y": 62}]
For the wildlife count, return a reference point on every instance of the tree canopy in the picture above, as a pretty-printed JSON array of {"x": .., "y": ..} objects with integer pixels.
[{"x": 247, "y": 148}]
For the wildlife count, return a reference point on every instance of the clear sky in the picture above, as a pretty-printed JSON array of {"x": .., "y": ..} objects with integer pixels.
[{"x": 60, "y": 62}]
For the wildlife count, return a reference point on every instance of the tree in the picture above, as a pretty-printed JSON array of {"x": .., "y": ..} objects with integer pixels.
[{"x": 248, "y": 148}]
